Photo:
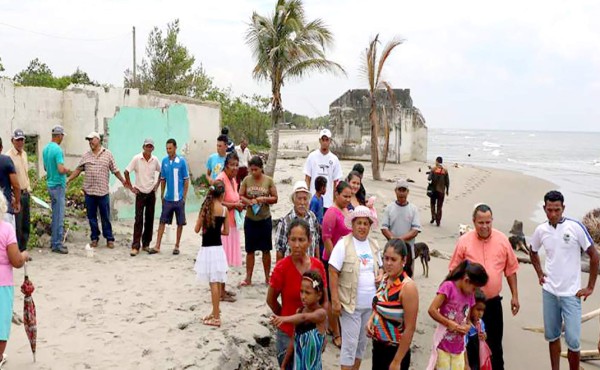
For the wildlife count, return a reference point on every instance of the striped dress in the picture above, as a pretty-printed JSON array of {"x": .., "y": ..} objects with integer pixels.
[
  {"x": 389, "y": 314},
  {"x": 308, "y": 346}
]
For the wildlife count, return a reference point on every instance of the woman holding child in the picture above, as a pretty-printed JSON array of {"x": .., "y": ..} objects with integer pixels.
[{"x": 286, "y": 281}]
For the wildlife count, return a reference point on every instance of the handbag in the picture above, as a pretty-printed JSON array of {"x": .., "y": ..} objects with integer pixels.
[{"x": 430, "y": 191}]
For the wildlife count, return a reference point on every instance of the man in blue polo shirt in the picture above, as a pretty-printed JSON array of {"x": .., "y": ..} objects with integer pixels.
[{"x": 173, "y": 174}]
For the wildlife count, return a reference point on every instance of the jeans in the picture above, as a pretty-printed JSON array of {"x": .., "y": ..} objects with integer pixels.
[
  {"x": 144, "y": 219},
  {"x": 23, "y": 222},
  {"x": 436, "y": 203},
  {"x": 494, "y": 327},
  {"x": 558, "y": 309},
  {"x": 282, "y": 341},
  {"x": 95, "y": 203},
  {"x": 384, "y": 353},
  {"x": 57, "y": 197}
]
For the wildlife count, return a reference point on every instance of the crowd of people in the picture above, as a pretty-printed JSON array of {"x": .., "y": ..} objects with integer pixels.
[{"x": 331, "y": 276}]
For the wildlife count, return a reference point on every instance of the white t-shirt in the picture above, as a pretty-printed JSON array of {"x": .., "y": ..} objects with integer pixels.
[
  {"x": 243, "y": 155},
  {"x": 366, "y": 275},
  {"x": 563, "y": 246},
  {"x": 326, "y": 165}
]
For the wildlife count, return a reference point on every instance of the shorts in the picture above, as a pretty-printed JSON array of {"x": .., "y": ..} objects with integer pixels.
[
  {"x": 449, "y": 361},
  {"x": 558, "y": 309},
  {"x": 257, "y": 235},
  {"x": 7, "y": 295},
  {"x": 169, "y": 209},
  {"x": 354, "y": 335}
]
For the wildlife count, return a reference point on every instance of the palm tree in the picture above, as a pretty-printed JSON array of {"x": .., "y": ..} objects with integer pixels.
[
  {"x": 372, "y": 69},
  {"x": 285, "y": 45}
]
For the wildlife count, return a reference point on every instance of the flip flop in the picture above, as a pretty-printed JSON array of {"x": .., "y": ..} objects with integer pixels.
[
  {"x": 176, "y": 251},
  {"x": 245, "y": 283},
  {"x": 231, "y": 294},
  {"x": 228, "y": 298},
  {"x": 3, "y": 360},
  {"x": 153, "y": 251},
  {"x": 212, "y": 322}
]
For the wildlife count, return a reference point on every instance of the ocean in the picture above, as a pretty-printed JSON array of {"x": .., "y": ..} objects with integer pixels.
[{"x": 570, "y": 160}]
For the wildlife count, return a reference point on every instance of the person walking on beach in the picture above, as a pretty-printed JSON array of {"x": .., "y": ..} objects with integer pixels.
[
  {"x": 322, "y": 162},
  {"x": 440, "y": 181},
  {"x": 56, "y": 179},
  {"x": 174, "y": 176},
  {"x": 563, "y": 239},
  {"x": 244, "y": 156},
  {"x": 211, "y": 263},
  {"x": 490, "y": 248},
  {"x": 97, "y": 163},
  {"x": 145, "y": 166},
  {"x": 258, "y": 192},
  {"x": 9, "y": 183},
  {"x": 10, "y": 257},
  {"x": 401, "y": 221},
  {"x": 216, "y": 161},
  {"x": 19, "y": 158},
  {"x": 299, "y": 198}
]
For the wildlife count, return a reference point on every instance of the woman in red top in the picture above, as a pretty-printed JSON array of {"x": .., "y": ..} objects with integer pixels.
[{"x": 286, "y": 280}]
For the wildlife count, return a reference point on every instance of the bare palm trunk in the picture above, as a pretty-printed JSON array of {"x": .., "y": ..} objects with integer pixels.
[
  {"x": 275, "y": 119},
  {"x": 374, "y": 139}
]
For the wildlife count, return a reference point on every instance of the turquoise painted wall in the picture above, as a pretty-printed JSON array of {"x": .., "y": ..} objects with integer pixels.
[{"x": 127, "y": 131}]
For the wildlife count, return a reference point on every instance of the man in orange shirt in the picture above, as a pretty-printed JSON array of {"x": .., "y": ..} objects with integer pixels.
[{"x": 490, "y": 248}]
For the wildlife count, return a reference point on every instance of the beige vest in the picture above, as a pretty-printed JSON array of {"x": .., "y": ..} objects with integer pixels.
[{"x": 348, "y": 277}]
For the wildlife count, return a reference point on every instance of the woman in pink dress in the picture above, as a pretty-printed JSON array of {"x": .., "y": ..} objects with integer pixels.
[{"x": 231, "y": 242}]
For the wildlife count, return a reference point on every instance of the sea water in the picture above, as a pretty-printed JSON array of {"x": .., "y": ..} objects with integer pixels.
[{"x": 570, "y": 160}]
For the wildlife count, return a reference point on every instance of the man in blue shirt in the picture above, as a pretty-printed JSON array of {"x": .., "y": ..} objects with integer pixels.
[
  {"x": 56, "y": 177},
  {"x": 173, "y": 174},
  {"x": 216, "y": 161}
]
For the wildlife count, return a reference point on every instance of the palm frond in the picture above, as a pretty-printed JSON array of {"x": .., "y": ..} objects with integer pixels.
[
  {"x": 304, "y": 67},
  {"x": 387, "y": 51}
]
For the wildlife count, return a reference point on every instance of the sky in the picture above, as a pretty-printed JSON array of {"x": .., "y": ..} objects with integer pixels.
[{"x": 518, "y": 65}]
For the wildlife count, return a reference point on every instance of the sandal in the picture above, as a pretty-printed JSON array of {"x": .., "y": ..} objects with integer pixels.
[
  {"x": 176, "y": 251},
  {"x": 336, "y": 343},
  {"x": 212, "y": 321},
  {"x": 153, "y": 251},
  {"x": 245, "y": 283},
  {"x": 3, "y": 360},
  {"x": 227, "y": 298},
  {"x": 231, "y": 294}
]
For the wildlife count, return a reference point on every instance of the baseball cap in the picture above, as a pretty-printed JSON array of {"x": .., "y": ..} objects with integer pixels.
[
  {"x": 299, "y": 186},
  {"x": 92, "y": 135},
  {"x": 325, "y": 132},
  {"x": 148, "y": 141},
  {"x": 58, "y": 130},
  {"x": 402, "y": 183},
  {"x": 18, "y": 134}
]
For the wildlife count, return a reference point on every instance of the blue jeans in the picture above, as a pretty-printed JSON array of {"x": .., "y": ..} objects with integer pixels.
[
  {"x": 282, "y": 341},
  {"x": 95, "y": 203},
  {"x": 57, "y": 197},
  {"x": 558, "y": 309}
]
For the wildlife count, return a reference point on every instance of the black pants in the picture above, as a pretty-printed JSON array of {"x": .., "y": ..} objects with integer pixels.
[
  {"x": 473, "y": 352},
  {"x": 144, "y": 219},
  {"x": 494, "y": 327},
  {"x": 383, "y": 355},
  {"x": 23, "y": 222},
  {"x": 436, "y": 203}
]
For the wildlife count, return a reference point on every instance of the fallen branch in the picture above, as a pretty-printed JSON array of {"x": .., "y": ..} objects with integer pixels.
[
  {"x": 437, "y": 254},
  {"x": 586, "y": 355},
  {"x": 586, "y": 317}
]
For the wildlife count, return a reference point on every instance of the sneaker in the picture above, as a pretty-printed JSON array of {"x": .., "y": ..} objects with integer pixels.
[
  {"x": 61, "y": 250},
  {"x": 110, "y": 244}
]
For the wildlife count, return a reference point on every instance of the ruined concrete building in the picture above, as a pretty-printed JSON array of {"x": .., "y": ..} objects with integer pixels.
[{"x": 351, "y": 128}]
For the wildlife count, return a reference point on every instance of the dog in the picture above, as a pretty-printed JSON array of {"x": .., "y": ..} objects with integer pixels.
[
  {"x": 422, "y": 252},
  {"x": 463, "y": 229},
  {"x": 518, "y": 243}
]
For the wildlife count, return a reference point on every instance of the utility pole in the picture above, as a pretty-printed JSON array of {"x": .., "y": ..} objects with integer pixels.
[{"x": 134, "y": 62}]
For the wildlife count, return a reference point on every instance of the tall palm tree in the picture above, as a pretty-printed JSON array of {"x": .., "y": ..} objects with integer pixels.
[
  {"x": 373, "y": 68},
  {"x": 285, "y": 46}
]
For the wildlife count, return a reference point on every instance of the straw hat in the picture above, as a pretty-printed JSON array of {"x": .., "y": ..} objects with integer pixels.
[{"x": 360, "y": 211}]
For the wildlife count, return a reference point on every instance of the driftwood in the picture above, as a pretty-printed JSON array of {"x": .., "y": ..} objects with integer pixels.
[
  {"x": 586, "y": 355},
  {"x": 437, "y": 254},
  {"x": 586, "y": 317}
]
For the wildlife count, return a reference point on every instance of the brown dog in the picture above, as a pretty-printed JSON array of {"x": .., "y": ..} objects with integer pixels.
[{"x": 422, "y": 252}]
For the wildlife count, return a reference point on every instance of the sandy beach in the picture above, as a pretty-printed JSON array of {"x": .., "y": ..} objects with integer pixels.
[{"x": 113, "y": 311}]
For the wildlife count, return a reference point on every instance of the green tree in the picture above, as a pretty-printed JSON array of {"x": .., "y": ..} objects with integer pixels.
[
  {"x": 80, "y": 77},
  {"x": 285, "y": 46},
  {"x": 373, "y": 66},
  {"x": 1, "y": 66},
  {"x": 36, "y": 74},
  {"x": 169, "y": 66}
]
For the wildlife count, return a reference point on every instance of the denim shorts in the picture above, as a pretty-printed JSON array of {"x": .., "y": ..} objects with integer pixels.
[
  {"x": 169, "y": 209},
  {"x": 282, "y": 341},
  {"x": 558, "y": 309}
]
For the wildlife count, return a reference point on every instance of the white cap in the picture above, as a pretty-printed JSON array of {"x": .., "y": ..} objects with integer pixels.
[
  {"x": 92, "y": 135},
  {"x": 148, "y": 141},
  {"x": 325, "y": 132},
  {"x": 402, "y": 183},
  {"x": 299, "y": 187}
]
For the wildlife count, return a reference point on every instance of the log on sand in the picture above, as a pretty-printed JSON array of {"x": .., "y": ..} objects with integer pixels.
[
  {"x": 586, "y": 355},
  {"x": 587, "y": 317}
]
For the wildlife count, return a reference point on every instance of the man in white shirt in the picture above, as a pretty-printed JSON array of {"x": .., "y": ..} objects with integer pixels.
[
  {"x": 244, "y": 156},
  {"x": 563, "y": 239},
  {"x": 146, "y": 167},
  {"x": 324, "y": 163}
]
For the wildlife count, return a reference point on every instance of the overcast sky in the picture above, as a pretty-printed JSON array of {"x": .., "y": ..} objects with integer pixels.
[{"x": 469, "y": 64}]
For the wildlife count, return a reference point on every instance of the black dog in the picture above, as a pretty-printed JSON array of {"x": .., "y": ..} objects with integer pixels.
[{"x": 422, "y": 252}]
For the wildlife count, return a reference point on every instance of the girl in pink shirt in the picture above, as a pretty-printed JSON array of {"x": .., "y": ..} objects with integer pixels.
[{"x": 9, "y": 257}]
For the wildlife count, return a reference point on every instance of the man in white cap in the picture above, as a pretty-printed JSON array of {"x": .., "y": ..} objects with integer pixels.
[
  {"x": 299, "y": 197},
  {"x": 146, "y": 167},
  {"x": 97, "y": 163},
  {"x": 56, "y": 179},
  {"x": 324, "y": 163},
  {"x": 401, "y": 221},
  {"x": 19, "y": 158}
]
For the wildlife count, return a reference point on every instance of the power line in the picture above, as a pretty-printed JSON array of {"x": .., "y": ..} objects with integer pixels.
[{"x": 62, "y": 37}]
